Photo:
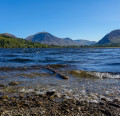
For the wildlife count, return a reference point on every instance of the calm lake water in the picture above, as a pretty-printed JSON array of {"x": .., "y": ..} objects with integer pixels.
[{"x": 100, "y": 62}]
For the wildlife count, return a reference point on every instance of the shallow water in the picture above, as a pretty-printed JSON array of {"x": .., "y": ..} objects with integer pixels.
[{"x": 103, "y": 64}]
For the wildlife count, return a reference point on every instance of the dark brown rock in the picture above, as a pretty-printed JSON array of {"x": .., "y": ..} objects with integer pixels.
[
  {"x": 50, "y": 93},
  {"x": 13, "y": 83}
]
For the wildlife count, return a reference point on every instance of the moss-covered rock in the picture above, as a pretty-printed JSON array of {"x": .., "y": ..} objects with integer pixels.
[{"x": 81, "y": 73}]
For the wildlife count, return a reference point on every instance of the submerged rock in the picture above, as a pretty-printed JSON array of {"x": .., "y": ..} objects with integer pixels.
[
  {"x": 57, "y": 66},
  {"x": 1, "y": 85},
  {"x": 81, "y": 73},
  {"x": 13, "y": 83}
]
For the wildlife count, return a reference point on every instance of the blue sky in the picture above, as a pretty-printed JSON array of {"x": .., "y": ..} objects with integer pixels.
[{"x": 77, "y": 19}]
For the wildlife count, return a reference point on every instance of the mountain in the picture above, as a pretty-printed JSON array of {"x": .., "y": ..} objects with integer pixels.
[
  {"x": 8, "y": 35},
  {"x": 8, "y": 41},
  {"x": 47, "y": 38},
  {"x": 111, "y": 38},
  {"x": 86, "y": 42}
]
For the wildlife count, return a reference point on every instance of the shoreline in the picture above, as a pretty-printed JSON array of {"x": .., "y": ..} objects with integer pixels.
[
  {"x": 50, "y": 104},
  {"x": 54, "y": 99}
]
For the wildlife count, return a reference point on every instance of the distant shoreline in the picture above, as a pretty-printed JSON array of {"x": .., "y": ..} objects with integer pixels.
[{"x": 64, "y": 47}]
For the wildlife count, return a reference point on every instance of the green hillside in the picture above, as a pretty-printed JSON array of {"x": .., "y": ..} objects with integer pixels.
[{"x": 8, "y": 42}]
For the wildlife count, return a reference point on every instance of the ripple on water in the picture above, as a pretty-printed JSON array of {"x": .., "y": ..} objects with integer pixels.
[{"x": 20, "y": 60}]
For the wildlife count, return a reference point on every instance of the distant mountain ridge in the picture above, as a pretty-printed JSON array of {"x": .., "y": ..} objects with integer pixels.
[
  {"x": 47, "y": 38},
  {"x": 111, "y": 38},
  {"x": 86, "y": 42}
]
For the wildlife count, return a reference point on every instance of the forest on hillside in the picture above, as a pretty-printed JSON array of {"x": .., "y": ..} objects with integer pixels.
[{"x": 8, "y": 42}]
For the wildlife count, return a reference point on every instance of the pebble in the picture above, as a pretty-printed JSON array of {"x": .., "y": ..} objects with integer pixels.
[
  {"x": 4, "y": 97},
  {"x": 1, "y": 85}
]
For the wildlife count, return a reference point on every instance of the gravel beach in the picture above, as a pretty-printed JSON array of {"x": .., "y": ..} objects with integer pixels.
[{"x": 50, "y": 104}]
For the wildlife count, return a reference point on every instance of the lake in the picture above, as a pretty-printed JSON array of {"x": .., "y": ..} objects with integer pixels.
[{"x": 27, "y": 66}]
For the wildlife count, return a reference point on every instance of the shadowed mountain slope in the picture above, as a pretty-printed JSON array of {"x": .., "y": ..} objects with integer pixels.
[
  {"x": 111, "y": 38},
  {"x": 47, "y": 38}
]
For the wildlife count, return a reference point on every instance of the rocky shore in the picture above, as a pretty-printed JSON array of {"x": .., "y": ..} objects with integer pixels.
[
  {"x": 47, "y": 91},
  {"x": 51, "y": 104}
]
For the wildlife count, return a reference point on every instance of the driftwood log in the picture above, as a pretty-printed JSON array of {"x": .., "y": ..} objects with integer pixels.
[
  {"x": 59, "y": 74},
  {"x": 51, "y": 69}
]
